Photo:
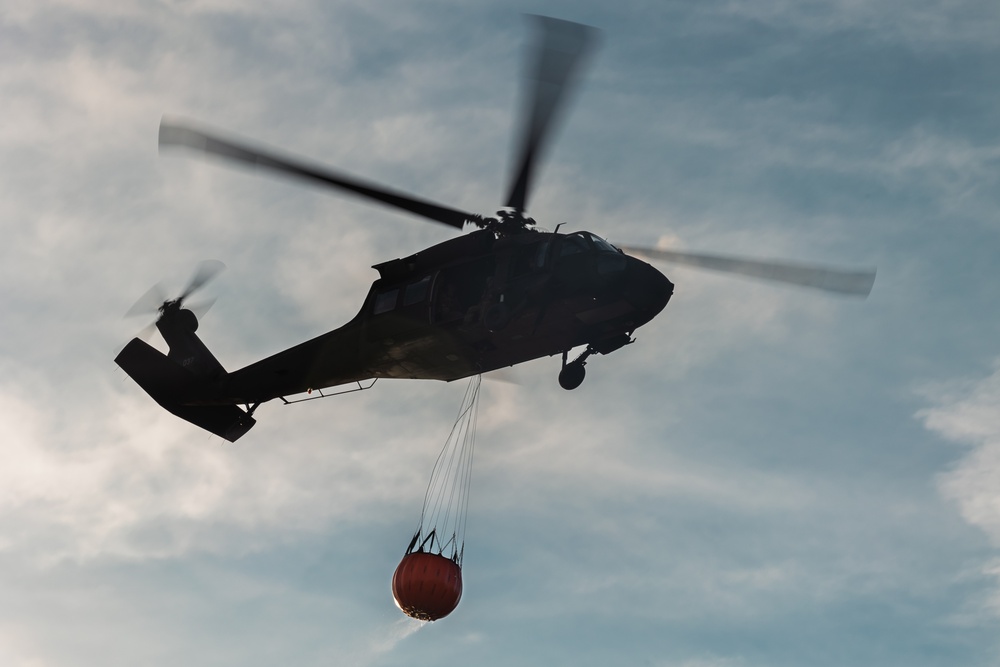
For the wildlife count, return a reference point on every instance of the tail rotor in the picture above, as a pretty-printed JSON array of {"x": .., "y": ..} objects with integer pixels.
[{"x": 156, "y": 302}]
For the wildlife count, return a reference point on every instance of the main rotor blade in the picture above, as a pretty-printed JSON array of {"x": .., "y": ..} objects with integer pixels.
[
  {"x": 558, "y": 54},
  {"x": 181, "y": 134},
  {"x": 857, "y": 283}
]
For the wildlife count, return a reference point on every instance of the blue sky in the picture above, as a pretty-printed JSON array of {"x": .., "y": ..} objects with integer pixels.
[{"x": 768, "y": 477}]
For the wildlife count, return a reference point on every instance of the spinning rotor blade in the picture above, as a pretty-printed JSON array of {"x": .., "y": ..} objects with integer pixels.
[
  {"x": 146, "y": 333},
  {"x": 148, "y": 303},
  {"x": 200, "y": 309},
  {"x": 857, "y": 283},
  {"x": 156, "y": 296},
  {"x": 206, "y": 270},
  {"x": 180, "y": 134},
  {"x": 557, "y": 57}
]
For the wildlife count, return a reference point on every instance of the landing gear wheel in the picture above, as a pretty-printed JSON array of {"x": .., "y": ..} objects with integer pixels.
[{"x": 571, "y": 376}]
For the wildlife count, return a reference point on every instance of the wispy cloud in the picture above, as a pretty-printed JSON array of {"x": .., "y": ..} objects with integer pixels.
[
  {"x": 740, "y": 475},
  {"x": 966, "y": 412}
]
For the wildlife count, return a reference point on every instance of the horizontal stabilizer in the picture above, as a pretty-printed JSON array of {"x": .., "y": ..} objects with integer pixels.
[{"x": 169, "y": 383}]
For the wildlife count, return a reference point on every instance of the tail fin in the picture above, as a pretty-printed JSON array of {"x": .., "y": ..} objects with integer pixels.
[{"x": 171, "y": 384}]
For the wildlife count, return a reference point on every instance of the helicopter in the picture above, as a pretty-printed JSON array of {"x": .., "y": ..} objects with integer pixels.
[{"x": 502, "y": 294}]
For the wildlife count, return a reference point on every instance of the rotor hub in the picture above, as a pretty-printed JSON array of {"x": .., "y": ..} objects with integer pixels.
[{"x": 508, "y": 221}]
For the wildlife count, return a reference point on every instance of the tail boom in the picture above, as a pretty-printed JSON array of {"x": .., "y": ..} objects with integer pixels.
[{"x": 176, "y": 389}]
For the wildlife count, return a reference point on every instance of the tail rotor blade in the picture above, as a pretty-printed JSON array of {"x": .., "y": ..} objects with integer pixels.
[
  {"x": 558, "y": 55},
  {"x": 148, "y": 303},
  {"x": 200, "y": 309},
  {"x": 146, "y": 332},
  {"x": 203, "y": 273},
  {"x": 855, "y": 283}
]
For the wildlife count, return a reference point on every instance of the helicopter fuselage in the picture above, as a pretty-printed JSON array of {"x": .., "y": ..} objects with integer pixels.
[{"x": 469, "y": 305}]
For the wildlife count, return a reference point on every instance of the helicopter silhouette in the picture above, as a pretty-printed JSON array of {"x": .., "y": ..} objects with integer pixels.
[{"x": 500, "y": 295}]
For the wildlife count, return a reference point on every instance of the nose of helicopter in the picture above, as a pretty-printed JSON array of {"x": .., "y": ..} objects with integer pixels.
[{"x": 647, "y": 289}]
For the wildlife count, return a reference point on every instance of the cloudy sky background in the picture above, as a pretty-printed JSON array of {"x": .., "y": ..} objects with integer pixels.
[{"x": 768, "y": 477}]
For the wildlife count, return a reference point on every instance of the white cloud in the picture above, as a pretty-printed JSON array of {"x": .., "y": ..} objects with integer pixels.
[
  {"x": 967, "y": 412},
  {"x": 143, "y": 484}
]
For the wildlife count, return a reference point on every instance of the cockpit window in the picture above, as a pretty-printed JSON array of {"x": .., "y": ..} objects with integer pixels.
[
  {"x": 602, "y": 244},
  {"x": 572, "y": 245}
]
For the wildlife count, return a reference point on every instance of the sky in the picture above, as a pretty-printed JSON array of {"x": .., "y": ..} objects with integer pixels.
[{"x": 768, "y": 477}]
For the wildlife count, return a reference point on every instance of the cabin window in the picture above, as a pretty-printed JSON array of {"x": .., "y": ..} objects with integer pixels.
[
  {"x": 458, "y": 289},
  {"x": 416, "y": 292},
  {"x": 385, "y": 301}
]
